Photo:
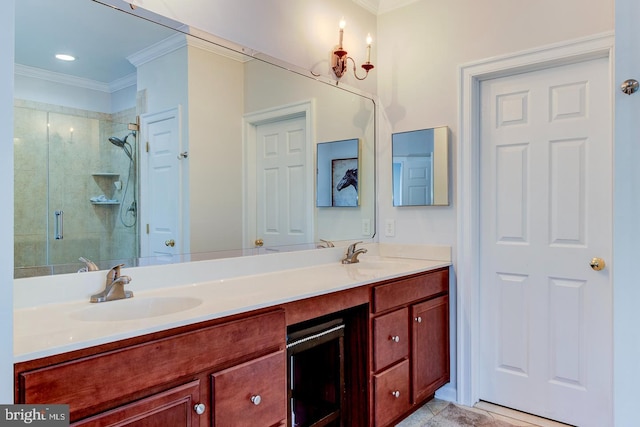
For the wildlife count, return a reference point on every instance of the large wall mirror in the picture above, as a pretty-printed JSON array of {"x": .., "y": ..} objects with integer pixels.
[
  {"x": 158, "y": 145},
  {"x": 421, "y": 167}
]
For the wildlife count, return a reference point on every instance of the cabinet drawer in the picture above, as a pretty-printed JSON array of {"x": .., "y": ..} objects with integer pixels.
[
  {"x": 251, "y": 394},
  {"x": 391, "y": 394},
  {"x": 390, "y": 338},
  {"x": 405, "y": 291},
  {"x": 96, "y": 383}
]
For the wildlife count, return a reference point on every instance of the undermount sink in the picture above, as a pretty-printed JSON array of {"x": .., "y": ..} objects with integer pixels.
[{"x": 135, "y": 308}]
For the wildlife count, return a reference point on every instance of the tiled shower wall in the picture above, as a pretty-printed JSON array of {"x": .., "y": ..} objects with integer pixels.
[{"x": 63, "y": 158}]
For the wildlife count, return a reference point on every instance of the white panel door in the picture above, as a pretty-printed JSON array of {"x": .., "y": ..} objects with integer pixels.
[
  {"x": 281, "y": 183},
  {"x": 546, "y": 330},
  {"x": 161, "y": 200},
  {"x": 417, "y": 181}
]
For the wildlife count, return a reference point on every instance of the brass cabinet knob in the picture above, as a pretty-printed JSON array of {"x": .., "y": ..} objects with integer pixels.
[
  {"x": 597, "y": 263},
  {"x": 259, "y": 242},
  {"x": 170, "y": 242}
]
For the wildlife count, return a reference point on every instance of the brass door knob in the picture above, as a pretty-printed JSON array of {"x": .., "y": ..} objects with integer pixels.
[
  {"x": 259, "y": 242},
  {"x": 597, "y": 264},
  {"x": 170, "y": 242}
]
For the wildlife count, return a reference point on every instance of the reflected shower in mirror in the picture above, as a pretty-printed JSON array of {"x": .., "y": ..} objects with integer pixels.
[
  {"x": 150, "y": 144},
  {"x": 421, "y": 167}
]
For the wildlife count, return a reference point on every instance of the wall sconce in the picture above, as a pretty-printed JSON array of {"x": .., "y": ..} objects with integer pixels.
[{"x": 340, "y": 57}]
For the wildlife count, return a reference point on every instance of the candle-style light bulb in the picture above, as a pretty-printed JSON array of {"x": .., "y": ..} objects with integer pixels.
[
  {"x": 369, "y": 40},
  {"x": 342, "y": 25}
]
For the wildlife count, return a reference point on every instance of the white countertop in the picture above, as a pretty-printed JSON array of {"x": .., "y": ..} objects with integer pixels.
[{"x": 47, "y": 329}]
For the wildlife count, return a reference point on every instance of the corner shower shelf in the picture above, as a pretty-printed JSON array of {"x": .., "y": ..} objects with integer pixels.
[
  {"x": 105, "y": 203},
  {"x": 106, "y": 174}
]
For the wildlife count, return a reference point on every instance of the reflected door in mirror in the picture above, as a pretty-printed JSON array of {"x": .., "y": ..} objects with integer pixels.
[{"x": 420, "y": 167}]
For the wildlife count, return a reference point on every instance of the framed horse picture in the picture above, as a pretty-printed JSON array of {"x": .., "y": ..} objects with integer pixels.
[
  {"x": 344, "y": 173},
  {"x": 337, "y": 168}
]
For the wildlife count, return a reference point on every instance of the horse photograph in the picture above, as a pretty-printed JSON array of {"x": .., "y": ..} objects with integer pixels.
[{"x": 345, "y": 179}]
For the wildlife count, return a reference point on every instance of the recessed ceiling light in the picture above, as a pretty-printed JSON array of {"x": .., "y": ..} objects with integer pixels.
[{"x": 65, "y": 57}]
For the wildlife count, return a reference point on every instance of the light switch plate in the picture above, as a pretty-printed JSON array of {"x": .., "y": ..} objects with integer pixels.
[
  {"x": 366, "y": 227},
  {"x": 390, "y": 228}
]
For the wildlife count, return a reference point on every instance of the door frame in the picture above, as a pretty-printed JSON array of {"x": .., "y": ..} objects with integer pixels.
[
  {"x": 250, "y": 123},
  {"x": 468, "y": 159}
]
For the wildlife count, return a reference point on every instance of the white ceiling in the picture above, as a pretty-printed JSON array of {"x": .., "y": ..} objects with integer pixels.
[
  {"x": 39, "y": 36},
  {"x": 84, "y": 34}
]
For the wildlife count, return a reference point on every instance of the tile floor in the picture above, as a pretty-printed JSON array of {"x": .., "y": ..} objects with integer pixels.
[{"x": 439, "y": 413}]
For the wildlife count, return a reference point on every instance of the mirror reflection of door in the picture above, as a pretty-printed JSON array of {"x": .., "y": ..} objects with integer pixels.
[
  {"x": 420, "y": 167},
  {"x": 415, "y": 180},
  {"x": 281, "y": 175},
  {"x": 161, "y": 192}
]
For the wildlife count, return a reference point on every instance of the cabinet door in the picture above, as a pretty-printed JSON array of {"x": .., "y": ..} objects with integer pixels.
[
  {"x": 174, "y": 407},
  {"x": 251, "y": 394},
  {"x": 430, "y": 350}
]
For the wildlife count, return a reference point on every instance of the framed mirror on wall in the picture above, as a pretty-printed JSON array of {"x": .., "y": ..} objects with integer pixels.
[
  {"x": 337, "y": 167},
  {"x": 79, "y": 152},
  {"x": 421, "y": 167}
]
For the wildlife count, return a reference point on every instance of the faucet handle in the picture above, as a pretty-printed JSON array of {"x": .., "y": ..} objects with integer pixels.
[
  {"x": 88, "y": 265},
  {"x": 326, "y": 244},
  {"x": 114, "y": 272},
  {"x": 352, "y": 247}
]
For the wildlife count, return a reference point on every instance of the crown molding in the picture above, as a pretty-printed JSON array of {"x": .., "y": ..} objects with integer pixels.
[
  {"x": 66, "y": 79},
  {"x": 379, "y": 7},
  {"x": 157, "y": 50}
]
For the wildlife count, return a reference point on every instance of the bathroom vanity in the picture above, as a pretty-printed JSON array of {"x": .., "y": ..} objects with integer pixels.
[{"x": 231, "y": 370}]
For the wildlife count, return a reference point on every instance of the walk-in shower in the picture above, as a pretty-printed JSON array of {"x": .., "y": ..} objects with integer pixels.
[{"x": 64, "y": 164}]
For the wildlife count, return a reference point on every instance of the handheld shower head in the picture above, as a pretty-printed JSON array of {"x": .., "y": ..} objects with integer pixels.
[
  {"x": 122, "y": 143},
  {"x": 117, "y": 141}
]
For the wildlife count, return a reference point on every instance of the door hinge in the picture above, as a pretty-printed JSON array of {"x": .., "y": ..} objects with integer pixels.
[
  {"x": 147, "y": 228},
  {"x": 147, "y": 146}
]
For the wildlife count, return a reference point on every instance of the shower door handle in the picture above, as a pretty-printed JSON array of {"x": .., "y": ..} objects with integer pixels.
[{"x": 59, "y": 225}]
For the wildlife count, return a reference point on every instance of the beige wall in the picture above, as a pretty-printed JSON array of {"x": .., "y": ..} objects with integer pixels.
[
  {"x": 424, "y": 44},
  {"x": 215, "y": 151}
]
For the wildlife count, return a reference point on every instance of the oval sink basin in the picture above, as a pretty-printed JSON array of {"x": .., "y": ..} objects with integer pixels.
[{"x": 135, "y": 308}]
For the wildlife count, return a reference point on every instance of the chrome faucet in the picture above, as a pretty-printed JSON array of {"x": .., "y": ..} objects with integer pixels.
[
  {"x": 88, "y": 265},
  {"x": 325, "y": 244},
  {"x": 114, "y": 288},
  {"x": 351, "y": 256}
]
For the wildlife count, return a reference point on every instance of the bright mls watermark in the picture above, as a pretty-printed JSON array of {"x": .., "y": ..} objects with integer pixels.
[{"x": 34, "y": 415}]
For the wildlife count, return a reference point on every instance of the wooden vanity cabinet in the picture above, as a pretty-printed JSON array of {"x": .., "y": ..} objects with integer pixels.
[
  {"x": 233, "y": 371},
  {"x": 410, "y": 355},
  {"x": 168, "y": 377}
]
